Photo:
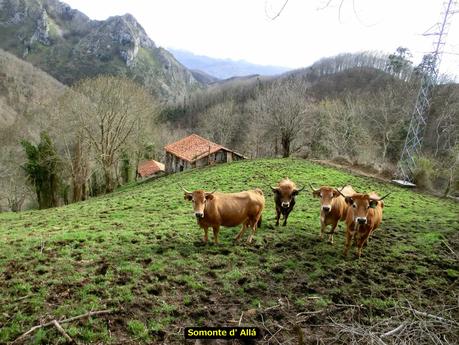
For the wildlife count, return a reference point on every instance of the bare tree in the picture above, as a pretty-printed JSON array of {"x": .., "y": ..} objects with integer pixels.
[
  {"x": 221, "y": 122},
  {"x": 386, "y": 112},
  {"x": 281, "y": 109},
  {"x": 111, "y": 117}
]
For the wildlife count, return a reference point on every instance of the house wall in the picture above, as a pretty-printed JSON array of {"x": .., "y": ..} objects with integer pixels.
[{"x": 175, "y": 164}]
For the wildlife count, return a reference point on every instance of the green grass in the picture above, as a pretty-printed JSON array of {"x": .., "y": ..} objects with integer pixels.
[{"x": 139, "y": 252}]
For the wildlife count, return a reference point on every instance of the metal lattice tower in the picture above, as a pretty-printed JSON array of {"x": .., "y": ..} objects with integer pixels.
[{"x": 413, "y": 141}]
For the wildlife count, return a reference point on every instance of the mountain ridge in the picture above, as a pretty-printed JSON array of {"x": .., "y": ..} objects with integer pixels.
[
  {"x": 224, "y": 68},
  {"x": 68, "y": 45}
]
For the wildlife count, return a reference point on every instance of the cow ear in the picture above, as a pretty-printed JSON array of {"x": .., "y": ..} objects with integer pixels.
[
  {"x": 209, "y": 196},
  {"x": 188, "y": 196},
  {"x": 295, "y": 192},
  {"x": 349, "y": 200},
  {"x": 336, "y": 193},
  {"x": 275, "y": 190},
  {"x": 373, "y": 203},
  {"x": 316, "y": 193}
]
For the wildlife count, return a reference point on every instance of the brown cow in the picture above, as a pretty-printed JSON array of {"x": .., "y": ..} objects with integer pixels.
[
  {"x": 224, "y": 209},
  {"x": 284, "y": 198},
  {"x": 333, "y": 207},
  {"x": 364, "y": 215}
]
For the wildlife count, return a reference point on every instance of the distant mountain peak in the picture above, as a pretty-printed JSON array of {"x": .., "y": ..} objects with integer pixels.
[
  {"x": 70, "y": 46},
  {"x": 224, "y": 68}
]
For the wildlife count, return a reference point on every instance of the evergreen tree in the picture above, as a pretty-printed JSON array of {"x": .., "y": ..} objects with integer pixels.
[{"x": 43, "y": 168}]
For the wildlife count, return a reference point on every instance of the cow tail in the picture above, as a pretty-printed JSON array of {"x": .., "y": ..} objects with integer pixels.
[{"x": 259, "y": 222}]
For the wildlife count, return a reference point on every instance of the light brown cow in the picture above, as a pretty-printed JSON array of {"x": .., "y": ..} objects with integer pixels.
[
  {"x": 333, "y": 207},
  {"x": 284, "y": 198},
  {"x": 227, "y": 209},
  {"x": 364, "y": 215}
]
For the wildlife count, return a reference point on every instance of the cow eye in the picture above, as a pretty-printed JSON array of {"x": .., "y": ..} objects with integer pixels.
[{"x": 320, "y": 194}]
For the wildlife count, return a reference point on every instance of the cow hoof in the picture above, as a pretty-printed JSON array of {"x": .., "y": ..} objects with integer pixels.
[{"x": 249, "y": 240}]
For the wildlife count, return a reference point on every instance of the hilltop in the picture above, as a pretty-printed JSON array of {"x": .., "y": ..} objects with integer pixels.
[
  {"x": 138, "y": 252},
  {"x": 69, "y": 46}
]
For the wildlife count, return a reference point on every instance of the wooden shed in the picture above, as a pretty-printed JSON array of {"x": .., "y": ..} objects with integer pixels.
[{"x": 195, "y": 151}]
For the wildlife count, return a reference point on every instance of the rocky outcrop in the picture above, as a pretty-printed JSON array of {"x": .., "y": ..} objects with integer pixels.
[
  {"x": 69, "y": 46},
  {"x": 41, "y": 33}
]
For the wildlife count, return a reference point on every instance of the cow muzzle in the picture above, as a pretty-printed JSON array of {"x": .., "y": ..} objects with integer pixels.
[
  {"x": 361, "y": 220},
  {"x": 285, "y": 204},
  {"x": 199, "y": 215},
  {"x": 326, "y": 208}
]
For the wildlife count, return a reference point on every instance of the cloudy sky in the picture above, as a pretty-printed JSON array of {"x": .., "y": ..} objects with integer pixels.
[{"x": 304, "y": 32}]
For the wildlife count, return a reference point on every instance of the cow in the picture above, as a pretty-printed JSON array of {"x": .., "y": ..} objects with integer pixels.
[
  {"x": 364, "y": 215},
  {"x": 333, "y": 207},
  {"x": 227, "y": 209},
  {"x": 284, "y": 198}
]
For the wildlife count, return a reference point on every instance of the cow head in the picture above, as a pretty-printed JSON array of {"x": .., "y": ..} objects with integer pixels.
[
  {"x": 199, "y": 198},
  {"x": 360, "y": 204},
  {"x": 286, "y": 191},
  {"x": 326, "y": 196}
]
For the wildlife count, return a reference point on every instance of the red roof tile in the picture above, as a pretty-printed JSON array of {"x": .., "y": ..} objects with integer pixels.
[
  {"x": 193, "y": 147},
  {"x": 147, "y": 168}
]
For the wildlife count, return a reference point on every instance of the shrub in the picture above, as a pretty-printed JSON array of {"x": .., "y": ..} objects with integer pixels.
[{"x": 424, "y": 172}]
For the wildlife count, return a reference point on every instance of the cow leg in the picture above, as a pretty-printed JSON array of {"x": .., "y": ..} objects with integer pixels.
[
  {"x": 278, "y": 213},
  {"x": 216, "y": 229},
  {"x": 349, "y": 233},
  {"x": 241, "y": 233},
  {"x": 330, "y": 237},
  {"x": 361, "y": 242},
  {"x": 254, "y": 229},
  {"x": 369, "y": 236},
  {"x": 285, "y": 218},
  {"x": 206, "y": 237},
  {"x": 322, "y": 229}
]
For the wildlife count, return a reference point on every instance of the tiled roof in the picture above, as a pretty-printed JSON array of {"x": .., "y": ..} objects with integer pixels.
[
  {"x": 147, "y": 168},
  {"x": 193, "y": 147}
]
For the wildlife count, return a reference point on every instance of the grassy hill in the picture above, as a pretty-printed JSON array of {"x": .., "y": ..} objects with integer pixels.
[{"x": 138, "y": 252}]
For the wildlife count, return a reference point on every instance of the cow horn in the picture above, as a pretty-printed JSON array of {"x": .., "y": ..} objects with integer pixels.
[
  {"x": 339, "y": 191},
  {"x": 312, "y": 187},
  {"x": 382, "y": 197},
  {"x": 184, "y": 189},
  {"x": 207, "y": 193},
  {"x": 299, "y": 190}
]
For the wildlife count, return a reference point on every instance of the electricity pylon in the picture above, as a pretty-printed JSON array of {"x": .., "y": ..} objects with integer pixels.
[{"x": 413, "y": 141}]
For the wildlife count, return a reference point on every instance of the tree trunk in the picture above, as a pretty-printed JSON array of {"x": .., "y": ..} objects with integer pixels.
[
  {"x": 450, "y": 182},
  {"x": 77, "y": 194},
  {"x": 285, "y": 147},
  {"x": 109, "y": 185}
]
